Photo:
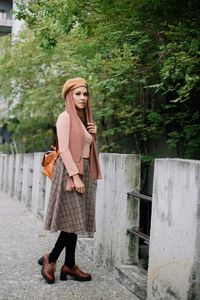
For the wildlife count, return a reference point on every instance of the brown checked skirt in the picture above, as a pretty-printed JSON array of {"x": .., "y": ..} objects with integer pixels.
[{"x": 70, "y": 211}]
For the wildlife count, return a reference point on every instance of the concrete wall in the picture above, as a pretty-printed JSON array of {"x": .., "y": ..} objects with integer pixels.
[
  {"x": 27, "y": 178},
  {"x": 174, "y": 257},
  {"x": 4, "y": 174},
  {"x": 114, "y": 213},
  {"x": 21, "y": 176},
  {"x": 18, "y": 176},
  {"x": 38, "y": 192}
]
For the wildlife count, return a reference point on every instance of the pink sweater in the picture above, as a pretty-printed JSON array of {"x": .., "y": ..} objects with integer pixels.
[{"x": 63, "y": 131}]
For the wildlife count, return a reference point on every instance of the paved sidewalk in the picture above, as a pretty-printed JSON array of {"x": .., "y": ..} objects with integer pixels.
[{"x": 22, "y": 242}]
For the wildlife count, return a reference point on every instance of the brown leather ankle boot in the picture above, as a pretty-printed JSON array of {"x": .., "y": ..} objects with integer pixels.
[
  {"x": 48, "y": 269},
  {"x": 75, "y": 272}
]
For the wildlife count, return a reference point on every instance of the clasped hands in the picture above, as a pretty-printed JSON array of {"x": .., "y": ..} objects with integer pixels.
[{"x": 78, "y": 184}]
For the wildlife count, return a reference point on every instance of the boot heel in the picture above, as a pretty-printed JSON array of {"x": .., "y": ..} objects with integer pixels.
[
  {"x": 40, "y": 261},
  {"x": 63, "y": 276}
]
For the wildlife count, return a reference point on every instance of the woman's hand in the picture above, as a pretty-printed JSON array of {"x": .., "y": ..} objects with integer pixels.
[
  {"x": 79, "y": 185},
  {"x": 92, "y": 128}
]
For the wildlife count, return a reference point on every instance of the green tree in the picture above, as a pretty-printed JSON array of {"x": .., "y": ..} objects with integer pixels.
[{"x": 141, "y": 59}]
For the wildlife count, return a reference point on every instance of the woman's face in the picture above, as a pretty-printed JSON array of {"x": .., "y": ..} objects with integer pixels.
[{"x": 80, "y": 96}]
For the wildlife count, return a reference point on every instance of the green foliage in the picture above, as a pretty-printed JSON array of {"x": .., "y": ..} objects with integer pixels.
[
  {"x": 5, "y": 148},
  {"x": 141, "y": 59},
  {"x": 180, "y": 68}
]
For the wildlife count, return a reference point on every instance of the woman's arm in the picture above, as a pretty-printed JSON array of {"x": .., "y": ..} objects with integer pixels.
[{"x": 63, "y": 132}]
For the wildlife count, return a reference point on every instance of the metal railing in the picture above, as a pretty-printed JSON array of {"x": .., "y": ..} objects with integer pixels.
[
  {"x": 136, "y": 231},
  {"x": 140, "y": 196},
  {"x": 139, "y": 234}
]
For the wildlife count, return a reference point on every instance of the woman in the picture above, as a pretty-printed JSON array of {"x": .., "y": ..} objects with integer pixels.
[{"x": 71, "y": 206}]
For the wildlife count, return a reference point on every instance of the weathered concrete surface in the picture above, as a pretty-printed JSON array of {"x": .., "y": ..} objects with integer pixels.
[
  {"x": 23, "y": 240},
  {"x": 21, "y": 175},
  {"x": 130, "y": 276},
  {"x": 174, "y": 256},
  {"x": 27, "y": 178},
  {"x": 11, "y": 167},
  {"x": 18, "y": 175},
  {"x": 114, "y": 213},
  {"x": 134, "y": 279},
  {"x": 38, "y": 185}
]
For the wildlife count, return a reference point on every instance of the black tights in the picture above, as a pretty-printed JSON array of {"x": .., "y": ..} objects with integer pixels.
[{"x": 68, "y": 241}]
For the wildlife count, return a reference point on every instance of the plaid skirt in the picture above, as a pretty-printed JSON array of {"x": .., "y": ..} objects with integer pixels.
[{"x": 70, "y": 211}]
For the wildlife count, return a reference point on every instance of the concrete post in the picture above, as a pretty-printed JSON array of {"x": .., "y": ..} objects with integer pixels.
[
  {"x": 121, "y": 174},
  {"x": 5, "y": 172},
  {"x": 11, "y": 174},
  {"x": 38, "y": 184},
  {"x": 18, "y": 176},
  {"x": 1, "y": 171},
  {"x": 174, "y": 257},
  {"x": 47, "y": 193},
  {"x": 27, "y": 178}
]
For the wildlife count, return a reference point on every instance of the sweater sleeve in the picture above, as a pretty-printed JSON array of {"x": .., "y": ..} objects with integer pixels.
[{"x": 63, "y": 132}]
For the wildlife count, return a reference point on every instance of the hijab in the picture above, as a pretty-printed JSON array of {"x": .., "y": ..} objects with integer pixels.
[{"x": 76, "y": 138}]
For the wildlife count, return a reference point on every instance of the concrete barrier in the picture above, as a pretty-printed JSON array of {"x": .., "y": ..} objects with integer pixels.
[
  {"x": 37, "y": 206},
  {"x": 18, "y": 175},
  {"x": 11, "y": 173},
  {"x": 121, "y": 174},
  {"x": 174, "y": 257},
  {"x": 1, "y": 170},
  {"x": 47, "y": 193},
  {"x": 5, "y": 173},
  {"x": 27, "y": 180},
  {"x": 21, "y": 176}
]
